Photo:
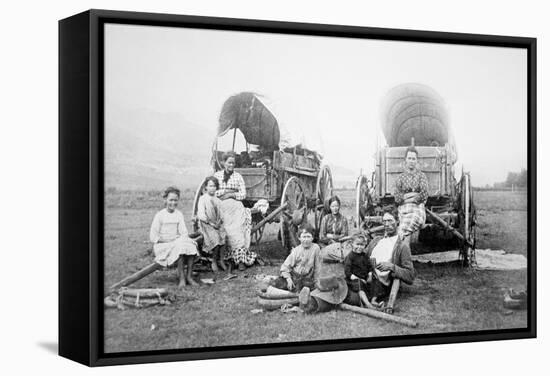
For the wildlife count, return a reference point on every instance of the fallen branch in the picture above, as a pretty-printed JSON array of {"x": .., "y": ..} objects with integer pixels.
[
  {"x": 273, "y": 304},
  {"x": 144, "y": 293},
  {"x": 136, "y": 276},
  {"x": 379, "y": 315},
  {"x": 273, "y": 293}
]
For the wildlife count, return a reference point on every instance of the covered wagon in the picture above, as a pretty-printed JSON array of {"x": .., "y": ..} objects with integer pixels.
[
  {"x": 290, "y": 180},
  {"x": 414, "y": 114}
]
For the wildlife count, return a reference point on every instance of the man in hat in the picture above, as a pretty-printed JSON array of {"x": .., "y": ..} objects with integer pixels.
[
  {"x": 302, "y": 266},
  {"x": 389, "y": 257},
  {"x": 329, "y": 292}
]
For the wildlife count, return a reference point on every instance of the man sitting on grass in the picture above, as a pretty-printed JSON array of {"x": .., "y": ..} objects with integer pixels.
[
  {"x": 301, "y": 268},
  {"x": 389, "y": 257}
]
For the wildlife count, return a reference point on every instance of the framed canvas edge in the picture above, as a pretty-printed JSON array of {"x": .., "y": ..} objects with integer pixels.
[{"x": 95, "y": 315}]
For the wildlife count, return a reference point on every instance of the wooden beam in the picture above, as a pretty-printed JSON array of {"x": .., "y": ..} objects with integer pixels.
[
  {"x": 136, "y": 276},
  {"x": 269, "y": 218},
  {"x": 393, "y": 295},
  {"x": 379, "y": 315},
  {"x": 446, "y": 226}
]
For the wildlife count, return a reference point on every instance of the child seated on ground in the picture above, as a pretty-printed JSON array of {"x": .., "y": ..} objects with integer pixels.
[
  {"x": 208, "y": 215},
  {"x": 356, "y": 269},
  {"x": 170, "y": 239},
  {"x": 301, "y": 268}
]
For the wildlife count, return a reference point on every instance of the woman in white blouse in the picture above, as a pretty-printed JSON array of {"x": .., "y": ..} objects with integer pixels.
[{"x": 170, "y": 238}]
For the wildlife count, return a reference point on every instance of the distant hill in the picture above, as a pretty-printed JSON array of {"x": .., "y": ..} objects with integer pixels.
[{"x": 148, "y": 150}]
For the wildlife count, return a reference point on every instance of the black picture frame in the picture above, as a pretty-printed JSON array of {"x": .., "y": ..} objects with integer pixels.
[{"x": 81, "y": 170}]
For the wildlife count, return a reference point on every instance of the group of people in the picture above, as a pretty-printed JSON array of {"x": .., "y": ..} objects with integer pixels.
[
  {"x": 225, "y": 226},
  {"x": 369, "y": 266},
  {"x": 223, "y": 221}
]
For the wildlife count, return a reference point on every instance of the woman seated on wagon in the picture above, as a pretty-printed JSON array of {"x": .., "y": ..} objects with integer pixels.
[
  {"x": 334, "y": 227},
  {"x": 411, "y": 194},
  {"x": 236, "y": 218}
]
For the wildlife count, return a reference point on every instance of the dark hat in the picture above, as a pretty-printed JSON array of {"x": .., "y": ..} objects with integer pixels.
[{"x": 331, "y": 289}]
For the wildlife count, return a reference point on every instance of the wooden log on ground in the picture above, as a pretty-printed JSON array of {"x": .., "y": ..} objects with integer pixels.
[
  {"x": 379, "y": 315},
  {"x": 143, "y": 293},
  {"x": 136, "y": 276},
  {"x": 274, "y": 304},
  {"x": 275, "y": 293},
  {"x": 393, "y": 295}
]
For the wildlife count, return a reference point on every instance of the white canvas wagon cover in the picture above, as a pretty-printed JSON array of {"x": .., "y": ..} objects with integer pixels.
[{"x": 416, "y": 111}]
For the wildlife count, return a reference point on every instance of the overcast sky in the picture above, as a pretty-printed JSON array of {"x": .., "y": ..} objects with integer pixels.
[{"x": 331, "y": 88}]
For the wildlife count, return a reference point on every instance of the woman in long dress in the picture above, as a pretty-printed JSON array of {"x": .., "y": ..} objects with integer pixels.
[
  {"x": 237, "y": 220},
  {"x": 171, "y": 242},
  {"x": 334, "y": 227},
  {"x": 411, "y": 194}
]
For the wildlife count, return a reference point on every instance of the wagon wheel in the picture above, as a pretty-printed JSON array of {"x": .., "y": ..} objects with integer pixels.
[
  {"x": 198, "y": 195},
  {"x": 295, "y": 212},
  {"x": 468, "y": 224},
  {"x": 361, "y": 200},
  {"x": 323, "y": 192}
]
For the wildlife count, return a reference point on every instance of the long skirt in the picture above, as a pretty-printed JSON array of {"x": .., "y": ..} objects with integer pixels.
[
  {"x": 168, "y": 253},
  {"x": 336, "y": 252},
  {"x": 212, "y": 237},
  {"x": 237, "y": 223},
  {"x": 411, "y": 218}
]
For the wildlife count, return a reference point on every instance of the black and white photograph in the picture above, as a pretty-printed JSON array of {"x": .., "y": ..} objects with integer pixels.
[{"x": 269, "y": 188}]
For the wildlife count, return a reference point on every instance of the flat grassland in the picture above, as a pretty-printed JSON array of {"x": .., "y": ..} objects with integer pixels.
[{"x": 443, "y": 298}]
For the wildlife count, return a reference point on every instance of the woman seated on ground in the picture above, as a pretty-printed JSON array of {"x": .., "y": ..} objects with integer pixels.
[
  {"x": 210, "y": 222},
  {"x": 170, "y": 239},
  {"x": 301, "y": 268},
  {"x": 334, "y": 227},
  {"x": 236, "y": 218},
  {"x": 411, "y": 194}
]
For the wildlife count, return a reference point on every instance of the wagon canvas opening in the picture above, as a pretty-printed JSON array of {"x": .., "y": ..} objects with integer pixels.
[{"x": 302, "y": 119}]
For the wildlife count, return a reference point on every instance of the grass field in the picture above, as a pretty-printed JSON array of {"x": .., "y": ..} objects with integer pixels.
[{"x": 444, "y": 298}]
